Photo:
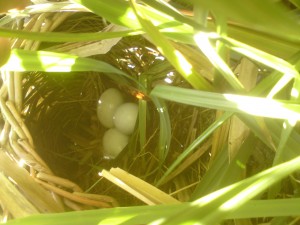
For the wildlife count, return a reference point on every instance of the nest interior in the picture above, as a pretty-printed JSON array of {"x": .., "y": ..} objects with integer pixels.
[{"x": 60, "y": 112}]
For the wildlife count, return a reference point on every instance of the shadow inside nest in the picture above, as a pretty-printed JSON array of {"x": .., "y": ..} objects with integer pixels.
[{"x": 60, "y": 112}]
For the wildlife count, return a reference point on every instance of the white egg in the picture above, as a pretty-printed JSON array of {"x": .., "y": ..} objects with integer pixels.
[
  {"x": 125, "y": 117},
  {"x": 113, "y": 143},
  {"x": 109, "y": 101}
]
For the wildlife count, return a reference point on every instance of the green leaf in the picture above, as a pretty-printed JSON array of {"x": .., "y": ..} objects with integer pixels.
[
  {"x": 200, "y": 139},
  {"x": 213, "y": 208},
  {"x": 261, "y": 57},
  {"x": 122, "y": 13},
  {"x": 230, "y": 102},
  {"x": 203, "y": 42},
  {"x": 24, "y": 60},
  {"x": 146, "y": 214},
  {"x": 165, "y": 128},
  {"x": 224, "y": 171},
  {"x": 259, "y": 15},
  {"x": 175, "y": 57},
  {"x": 64, "y": 37}
]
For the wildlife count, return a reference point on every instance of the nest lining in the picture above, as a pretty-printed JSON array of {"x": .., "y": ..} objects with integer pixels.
[{"x": 60, "y": 111}]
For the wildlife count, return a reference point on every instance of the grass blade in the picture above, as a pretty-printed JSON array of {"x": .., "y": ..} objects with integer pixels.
[
  {"x": 146, "y": 214},
  {"x": 165, "y": 128},
  {"x": 262, "y": 57},
  {"x": 229, "y": 102},
  {"x": 64, "y": 37},
  {"x": 232, "y": 197},
  {"x": 203, "y": 42},
  {"x": 196, "y": 143},
  {"x": 175, "y": 57},
  {"x": 24, "y": 60},
  {"x": 259, "y": 15}
]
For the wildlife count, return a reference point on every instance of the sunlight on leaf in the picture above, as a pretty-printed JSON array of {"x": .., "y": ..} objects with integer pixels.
[
  {"x": 177, "y": 59},
  {"x": 165, "y": 128},
  {"x": 284, "y": 80},
  {"x": 195, "y": 144},
  {"x": 232, "y": 197},
  {"x": 116, "y": 220},
  {"x": 203, "y": 42},
  {"x": 186, "y": 66},
  {"x": 262, "y": 107},
  {"x": 295, "y": 93},
  {"x": 261, "y": 57},
  {"x": 230, "y": 102},
  {"x": 23, "y": 60},
  {"x": 65, "y": 37}
]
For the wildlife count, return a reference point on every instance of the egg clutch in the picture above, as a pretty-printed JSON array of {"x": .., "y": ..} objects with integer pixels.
[{"x": 120, "y": 119}]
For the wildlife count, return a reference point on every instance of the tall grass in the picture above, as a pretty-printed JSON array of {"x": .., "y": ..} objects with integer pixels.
[{"x": 268, "y": 34}]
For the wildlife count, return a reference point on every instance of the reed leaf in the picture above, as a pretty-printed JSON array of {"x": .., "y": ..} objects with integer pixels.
[
  {"x": 175, "y": 57},
  {"x": 259, "y": 15},
  {"x": 24, "y": 60},
  {"x": 63, "y": 36},
  {"x": 229, "y": 102},
  {"x": 200, "y": 139},
  {"x": 230, "y": 202},
  {"x": 165, "y": 128},
  {"x": 213, "y": 208}
]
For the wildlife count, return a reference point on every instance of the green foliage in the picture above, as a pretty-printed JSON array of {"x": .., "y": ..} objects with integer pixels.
[{"x": 270, "y": 110}]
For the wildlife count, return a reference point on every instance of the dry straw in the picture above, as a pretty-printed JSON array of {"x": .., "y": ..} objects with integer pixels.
[{"x": 25, "y": 175}]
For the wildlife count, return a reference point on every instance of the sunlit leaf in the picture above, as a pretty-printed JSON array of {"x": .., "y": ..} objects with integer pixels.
[
  {"x": 175, "y": 57},
  {"x": 259, "y": 15},
  {"x": 230, "y": 102},
  {"x": 200, "y": 139},
  {"x": 213, "y": 208},
  {"x": 23, "y": 60}
]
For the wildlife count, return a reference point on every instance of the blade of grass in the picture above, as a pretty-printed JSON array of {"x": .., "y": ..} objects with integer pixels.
[
  {"x": 296, "y": 3},
  {"x": 288, "y": 126},
  {"x": 229, "y": 102},
  {"x": 122, "y": 13},
  {"x": 175, "y": 57},
  {"x": 24, "y": 60},
  {"x": 142, "y": 122},
  {"x": 166, "y": 8},
  {"x": 292, "y": 146},
  {"x": 64, "y": 37},
  {"x": 221, "y": 49},
  {"x": 260, "y": 15},
  {"x": 178, "y": 32},
  {"x": 225, "y": 171},
  {"x": 146, "y": 214},
  {"x": 203, "y": 42},
  {"x": 195, "y": 143},
  {"x": 267, "y": 43},
  {"x": 214, "y": 207},
  {"x": 192, "y": 158},
  {"x": 270, "y": 82},
  {"x": 165, "y": 128},
  {"x": 261, "y": 57},
  {"x": 143, "y": 112}
]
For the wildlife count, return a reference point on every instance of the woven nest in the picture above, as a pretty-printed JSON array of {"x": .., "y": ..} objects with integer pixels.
[{"x": 49, "y": 123}]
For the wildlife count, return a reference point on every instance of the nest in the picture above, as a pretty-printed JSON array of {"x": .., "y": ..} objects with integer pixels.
[{"x": 50, "y": 124}]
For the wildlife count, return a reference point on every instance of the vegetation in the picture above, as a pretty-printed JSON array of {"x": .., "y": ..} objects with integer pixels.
[{"x": 217, "y": 84}]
